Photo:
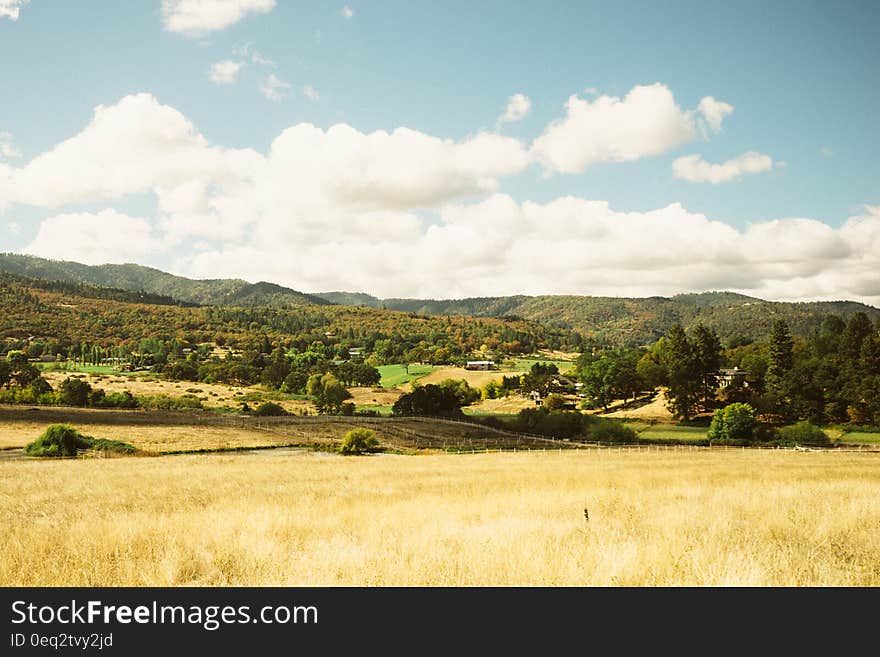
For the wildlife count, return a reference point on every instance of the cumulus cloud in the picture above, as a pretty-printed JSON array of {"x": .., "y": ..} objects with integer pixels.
[
  {"x": 518, "y": 107},
  {"x": 311, "y": 93},
  {"x": 134, "y": 146},
  {"x": 403, "y": 213},
  {"x": 225, "y": 72},
  {"x": 139, "y": 145},
  {"x": 198, "y": 17},
  {"x": 7, "y": 148},
  {"x": 695, "y": 169},
  {"x": 10, "y": 8},
  {"x": 609, "y": 129},
  {"x": 274, "y": 88},
  {"x": 94, "y": 239},
  {"x": 347, "y": 12},
  {"x": 713, "y": 112},
  {"x": 573, "y": 246}
]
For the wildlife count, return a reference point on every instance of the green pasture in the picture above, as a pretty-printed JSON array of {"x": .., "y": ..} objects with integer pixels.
[{"x": 397, "y": 375}]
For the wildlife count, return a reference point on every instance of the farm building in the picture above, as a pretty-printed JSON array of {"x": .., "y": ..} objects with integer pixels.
[
  {"x": 480, "y": 365},
  {"x": 727, "y": 376}
]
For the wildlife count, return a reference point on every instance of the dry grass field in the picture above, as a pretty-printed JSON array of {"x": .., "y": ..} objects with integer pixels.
[
  {"x": 705, "y": 518},
  {"x": 211, "y": 395}
]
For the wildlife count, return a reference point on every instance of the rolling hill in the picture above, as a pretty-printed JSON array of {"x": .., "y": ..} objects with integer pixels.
[
  {"x": 633, "y": 321},
  {"x": 136, "y": 278},
  {"x": 618, "y": 321}
]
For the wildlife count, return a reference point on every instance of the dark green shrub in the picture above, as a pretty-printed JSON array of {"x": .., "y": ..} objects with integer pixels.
[
  {"x": 359, "y": 441},
  {"x": 114, "y": 446},
  {"x": 734, "y": 422},
  {"x": 59, "y": 440},
  {"x": 610, "y": 431},
  {"x": 270, "y": 409},
  {"x": 75, "y": 392},
  {"x": 803, "y": 433}
]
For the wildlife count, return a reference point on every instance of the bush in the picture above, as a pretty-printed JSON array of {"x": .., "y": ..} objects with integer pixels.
[
  {"x": 75, "y": 392},
  {"x": 59, "y": 440},
  {"x": 611, "y": 431},
  {"x": 166, "y": 403},
  {"x": 269, "y": 409},
  {"x": 115, "y": 446},
  {"x": 64, "y": 440},
  {"x": 803, "y": 433},
  {"x": 734, "y": 422},
  {"x": 359, "y": 441}
]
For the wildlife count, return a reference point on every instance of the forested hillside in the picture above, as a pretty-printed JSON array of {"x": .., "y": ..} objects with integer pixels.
[
  {"x": 136, "y": 278},
  {"x": 635, "y": 321}
]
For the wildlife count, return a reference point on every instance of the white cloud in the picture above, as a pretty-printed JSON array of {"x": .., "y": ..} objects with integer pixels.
[
  {"x": 11, "y": 8},
  {"x": 225, "y": 72},
  {"x": 347, "y": 12},
  {"x": 311, "y": 93},
  {"x": 713, "y": 112},
  {"x": 609, "y": 129},
  {"x": 134, "y": 146},
  {"x": 94, "y": 239},
  {"x": 567, "y": 246},
  {"x": 695, "y": 169},
  {"x": 321, "y": 197},
  {"x": 197, "y": 17},
  {"x": 274, "y": 88},
  {"x": 7, "y": 148},
  {"x": 827, "y": 151},
  {"x": 518, "y": 107}
]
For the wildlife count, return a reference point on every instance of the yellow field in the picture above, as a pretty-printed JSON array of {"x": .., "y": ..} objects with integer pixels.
[
  {"x": 155, "y": 431},
  {"x": 695, "y": 518}
]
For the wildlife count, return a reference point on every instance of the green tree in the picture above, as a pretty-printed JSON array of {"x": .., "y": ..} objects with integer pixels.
[
  {"x": 599, "y": 381},
  {"x": 683, "y": 374},
  {"x": 707, "y": 351},
  {"x": 75, "y": 392},
  {"x": 328, "y": 392},
  {"x": 781, "y": 350},
  {"x": 857, "y": 330},
  {"x": 5, "y": 374},
  {"x": 359, "y": 441},
  {"x": 734, "y": 422}
]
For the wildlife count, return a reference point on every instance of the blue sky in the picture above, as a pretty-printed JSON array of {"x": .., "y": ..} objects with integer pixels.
[{"x": 629, "y": 189}]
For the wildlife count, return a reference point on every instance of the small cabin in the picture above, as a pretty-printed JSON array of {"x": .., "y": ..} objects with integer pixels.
[{"x": 480, "y": 365}]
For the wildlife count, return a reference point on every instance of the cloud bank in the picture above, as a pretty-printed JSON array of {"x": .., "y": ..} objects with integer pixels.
[{"x": 405, "y": 213}]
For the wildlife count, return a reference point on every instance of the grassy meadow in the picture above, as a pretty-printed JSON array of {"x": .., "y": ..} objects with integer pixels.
[{"x": 704, "y": 518}]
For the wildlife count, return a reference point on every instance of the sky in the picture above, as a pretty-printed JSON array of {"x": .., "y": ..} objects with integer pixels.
[{"x": 450, "y": 149}]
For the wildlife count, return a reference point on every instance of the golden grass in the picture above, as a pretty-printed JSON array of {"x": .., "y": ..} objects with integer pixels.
[
  {"x": 696, "y": 518},
  {"x": 212, "y": 395},
  {"x": 155, "y": 431}
]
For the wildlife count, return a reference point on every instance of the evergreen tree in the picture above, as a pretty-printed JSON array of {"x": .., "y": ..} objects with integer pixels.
[
  {"x": 707, "y": 351},
  {"x": 683, "y": 373}
]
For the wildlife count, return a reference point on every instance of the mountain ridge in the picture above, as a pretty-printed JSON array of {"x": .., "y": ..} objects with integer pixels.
[{"x": 615, "y": 320}]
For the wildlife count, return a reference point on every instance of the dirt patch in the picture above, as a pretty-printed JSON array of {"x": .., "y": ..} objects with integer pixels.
[
  {"x": 375, "y": 396},
  {"x": 653, "y": 410}
]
